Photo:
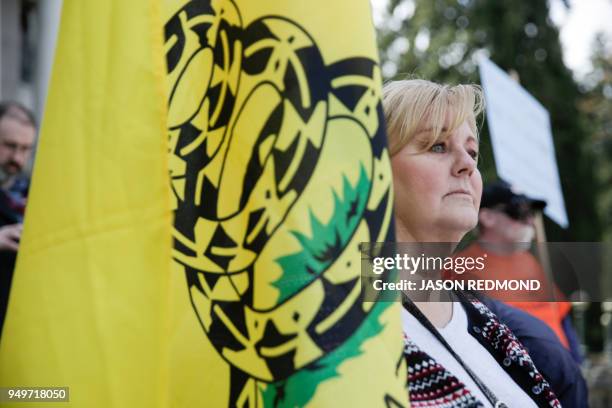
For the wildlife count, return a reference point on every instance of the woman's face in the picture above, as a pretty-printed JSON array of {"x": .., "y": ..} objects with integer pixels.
[{"x": 437, "y": 192}]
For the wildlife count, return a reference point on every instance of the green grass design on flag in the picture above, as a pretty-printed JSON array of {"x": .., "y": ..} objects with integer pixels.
[
  {"x": 327, "y": 241},
  {"x": 298, "y": 390}
]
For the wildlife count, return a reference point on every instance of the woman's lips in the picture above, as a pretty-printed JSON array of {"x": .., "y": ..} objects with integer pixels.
[
  {"x": 460, "y": 194},
  {"x": 465, "y": 192}
]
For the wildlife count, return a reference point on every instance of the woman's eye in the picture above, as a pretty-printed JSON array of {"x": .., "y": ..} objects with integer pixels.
[
  {"x": 474, "y": 154},
  {"x": 438, "y": 148}
]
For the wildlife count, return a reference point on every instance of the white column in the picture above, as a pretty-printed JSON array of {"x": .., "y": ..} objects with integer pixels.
[
  {"x": 10, "y": 48},
  {"x": 49, "y": 12}
]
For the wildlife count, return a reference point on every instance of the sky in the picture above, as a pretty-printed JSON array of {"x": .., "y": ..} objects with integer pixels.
[{"x": 578, "y": 27}]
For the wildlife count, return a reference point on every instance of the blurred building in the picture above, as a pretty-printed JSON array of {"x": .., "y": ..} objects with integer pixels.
[{"x": 28, "y": 31}]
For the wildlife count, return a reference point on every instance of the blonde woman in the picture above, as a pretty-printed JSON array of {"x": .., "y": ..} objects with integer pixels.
[{"x": 458, "y": 353}]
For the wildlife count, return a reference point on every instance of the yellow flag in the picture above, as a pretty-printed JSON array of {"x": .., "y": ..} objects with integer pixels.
[
  {"x": 206, "y": 172},
  {"x": 89, "y": 302}
]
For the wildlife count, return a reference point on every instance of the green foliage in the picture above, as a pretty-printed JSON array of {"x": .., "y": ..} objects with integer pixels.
[
  {"x": 596, "y": 104},
  {"x": 441, "y": 41}
]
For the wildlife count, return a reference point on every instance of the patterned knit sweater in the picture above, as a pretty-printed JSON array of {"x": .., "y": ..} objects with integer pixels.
[{"x": 431, "y": 385}]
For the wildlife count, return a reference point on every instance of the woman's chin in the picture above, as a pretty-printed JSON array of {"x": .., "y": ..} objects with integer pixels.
[{"x": 460, "y": 223}]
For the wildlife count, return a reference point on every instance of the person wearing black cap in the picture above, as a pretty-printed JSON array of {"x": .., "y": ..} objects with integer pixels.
[
  {"x": 505, "y": 231},
  {"x": 507, "y": 216}
]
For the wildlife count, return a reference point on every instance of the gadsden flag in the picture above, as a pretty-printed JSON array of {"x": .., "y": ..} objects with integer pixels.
[{"x": 206, "y": 172}]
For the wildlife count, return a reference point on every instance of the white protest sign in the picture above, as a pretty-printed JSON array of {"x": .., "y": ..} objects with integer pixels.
[{"x": 522, "y": 141}]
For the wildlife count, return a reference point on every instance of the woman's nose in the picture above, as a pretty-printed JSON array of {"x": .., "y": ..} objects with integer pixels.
[{"x": 464, "y": 164}]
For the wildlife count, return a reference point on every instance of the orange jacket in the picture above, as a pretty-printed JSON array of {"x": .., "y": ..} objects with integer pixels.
[{"x": 521, "y": 265}]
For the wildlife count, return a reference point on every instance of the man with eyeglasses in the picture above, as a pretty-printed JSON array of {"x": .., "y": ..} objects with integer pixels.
[{"x": 17, "y": 138}]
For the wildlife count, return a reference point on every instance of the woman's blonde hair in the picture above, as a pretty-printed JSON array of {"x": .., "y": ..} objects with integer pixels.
[{"x": 415, "y": 105}]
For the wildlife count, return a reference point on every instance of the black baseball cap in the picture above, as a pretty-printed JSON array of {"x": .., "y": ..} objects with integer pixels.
[{"x": 500, "y": 195}]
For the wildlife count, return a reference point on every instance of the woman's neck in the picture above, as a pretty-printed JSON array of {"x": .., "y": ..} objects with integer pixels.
[
  {"x": 404, "y": 234},
  {"x": 438, "y": 313}
]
